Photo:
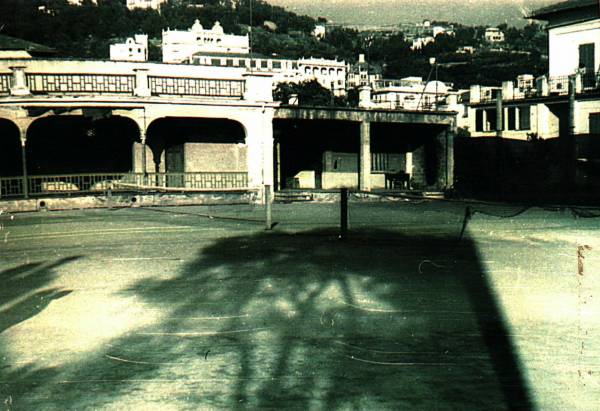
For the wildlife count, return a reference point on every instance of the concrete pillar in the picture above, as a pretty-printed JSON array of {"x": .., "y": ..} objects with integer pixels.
[
  {"x": 499, "y": 114},
  {"x": 142, "y": 88},
  {"x": 364, "y": 180},
  {"x": 508, "y": 89},
  {"x": 364, "y": 97},
  {"x": 259, "y": 87},
  {"x": 445, "y": 159},
  {"x": 19, "y": 82},
  {"x": 408, "y": 168},
  {"x": 475, "y": 94},
  {"x": 542, "y": 87},
  {"x": 578, "y": 82},
  {"x": 259, "y": 139},
  {"x": 568, "y": 141}
]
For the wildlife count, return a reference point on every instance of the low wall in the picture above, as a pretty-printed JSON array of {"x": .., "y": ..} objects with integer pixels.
[{"x": 122, "y": 200}]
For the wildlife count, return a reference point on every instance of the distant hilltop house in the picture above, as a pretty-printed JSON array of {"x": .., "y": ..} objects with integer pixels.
[
  {"x": 494, "y": 35},
  {"x": 144, "y": 4},
  {"x": 319, "y": 31},
  {"x": 179, "y": 46},
  {"x": 422, "y": 34},
  {"x": 131, "y": 4},
  {"x": 134, "y": 49},
  {"x": 362, "y": 73}
]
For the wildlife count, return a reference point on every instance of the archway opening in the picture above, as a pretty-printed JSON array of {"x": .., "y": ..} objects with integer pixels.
[
  {"x": 180, "y": 144},
  {"x": 81, "y": 144}
]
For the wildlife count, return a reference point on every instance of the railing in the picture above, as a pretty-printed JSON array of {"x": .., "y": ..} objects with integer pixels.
[
  {"x": 102, "y": 182},
  {"x": 80, "y": 83},
  {"x": 196, "y": 87},
  {"x": 5, "y": 83}
]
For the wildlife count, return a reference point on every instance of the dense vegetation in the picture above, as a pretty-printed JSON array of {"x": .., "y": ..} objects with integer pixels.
[{"x": 86, "y": 31}]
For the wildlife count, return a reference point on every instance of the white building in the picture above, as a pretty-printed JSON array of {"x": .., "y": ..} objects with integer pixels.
[
  {"x": 144, "y": 4},
  {"x": 331, "y": 74},
  {"x": 134, "y": 49},
  {"x": 319, "y": 31},
  {"x": 410, "y": 93},
  {"x": 179, "y": 46},
  {"x": 540, "y": 107},
  {"x": 362, "y": 73},
  {"x": 494, "y": 35},
  {"x": 575, "y": 45}
]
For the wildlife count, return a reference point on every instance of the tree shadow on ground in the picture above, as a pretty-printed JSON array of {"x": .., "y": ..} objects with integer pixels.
[
  {"x": 305, "y": 321},
  {"x": 23, "y": 296}
]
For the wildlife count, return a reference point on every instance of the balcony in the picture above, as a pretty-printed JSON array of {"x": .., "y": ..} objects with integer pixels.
[{"x": 585, "y": 83}]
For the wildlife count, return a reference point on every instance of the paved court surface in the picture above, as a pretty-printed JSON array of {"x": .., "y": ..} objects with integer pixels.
[{"x": 201, "y": 308}]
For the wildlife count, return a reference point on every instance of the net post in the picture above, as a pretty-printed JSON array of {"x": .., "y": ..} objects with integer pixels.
[
  {"x": 343, "y": 213},
  {"x": 268, "y": 208}
]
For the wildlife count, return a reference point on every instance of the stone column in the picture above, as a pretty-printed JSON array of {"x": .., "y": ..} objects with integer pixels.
[
  {"x": 142, "y": 88},
  {"x": 259, "y": 139},
  {"x": 365, "y": 156},
  {"x": 445, "y": 154},
  {"x": 19, "y": 82},
  {"x": 259, "y": 87},
  {"x": 364, "y": 96}
]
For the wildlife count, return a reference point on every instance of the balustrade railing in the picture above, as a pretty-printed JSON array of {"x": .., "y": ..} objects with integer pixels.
[
  {"x": 5, "y": 83},
  {"x": 102, "y": 182},
  {"x": 80, "y": 83},
  {"x": 196, "y": 87}
]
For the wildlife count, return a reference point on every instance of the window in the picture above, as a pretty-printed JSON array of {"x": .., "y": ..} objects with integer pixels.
[
  {"x": 277, "y": 64},
  {"x": 229, "y": 63},
  {"x": 594, "y": 123},
  {"x": 586, "y": 57},
  {"x": 215, "y": 62},
  {"x": 525, "y": 118},
  {"x": 264, "y": 64}
]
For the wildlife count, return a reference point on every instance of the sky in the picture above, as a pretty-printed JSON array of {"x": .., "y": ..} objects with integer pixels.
[{"x": 386, "y": 12}]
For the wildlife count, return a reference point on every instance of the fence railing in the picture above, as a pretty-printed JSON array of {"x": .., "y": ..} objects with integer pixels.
[
  {"x": 196, "y": 87},
  {"x": 102, "y": 182},
  {"x": 5, "y": 83},
  {"x": 80, "y": 83}
]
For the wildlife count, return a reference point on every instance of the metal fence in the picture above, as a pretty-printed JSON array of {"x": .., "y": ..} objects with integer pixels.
[
  {"x": 80, "y": 83},
  {"x": 103, "y": 182},
  {"x": 196, "y": 87}
]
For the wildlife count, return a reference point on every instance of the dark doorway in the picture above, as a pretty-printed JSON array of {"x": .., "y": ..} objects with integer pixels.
[
  {"x": 174, "y": 163},
  {"x": 10, "y": 150}
]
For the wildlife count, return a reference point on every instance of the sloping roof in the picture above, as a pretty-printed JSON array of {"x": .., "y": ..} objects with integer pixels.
[
  {"x": 12, "y": 43},
  {"x": 568, "y": 5}
]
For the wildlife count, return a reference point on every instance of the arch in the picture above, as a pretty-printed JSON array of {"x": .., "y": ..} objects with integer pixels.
[
  {"x": 181, "y": 144},
  {"x": 10, "y": 149},
  {"x": 94, "y": 142}
]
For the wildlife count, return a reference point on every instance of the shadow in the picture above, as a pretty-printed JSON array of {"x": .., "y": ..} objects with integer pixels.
[
  {"x": 22, "y": 296},
  {"x": 305, "y": 321}
]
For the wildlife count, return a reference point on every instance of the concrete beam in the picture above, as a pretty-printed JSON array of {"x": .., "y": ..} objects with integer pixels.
[{"x": 360, "y": 115}]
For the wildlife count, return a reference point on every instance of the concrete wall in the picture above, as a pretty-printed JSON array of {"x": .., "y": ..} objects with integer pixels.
[
  {"x": 331, "y": 180},
  {"x": 215, "y": 157},
  {"x": 583, "y": 109}
]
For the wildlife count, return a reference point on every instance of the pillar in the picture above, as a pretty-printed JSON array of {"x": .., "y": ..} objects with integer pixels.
[
  {"x": 142, "y": 88},
  {"x": 445, "y": 155},
  {"x": 499, "y": 147},
  {"x": 364, "y": 96},
  {"x": 365, "y": 156},
  {"x": 475, "y": 94},
  {"x": 568, "y": 141},
  {"x": 258, "y": 87},
  {"x": 259, "y": 139},
  {"x": 19, "y": 82},
  {"x": 499, "y": 114}
]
